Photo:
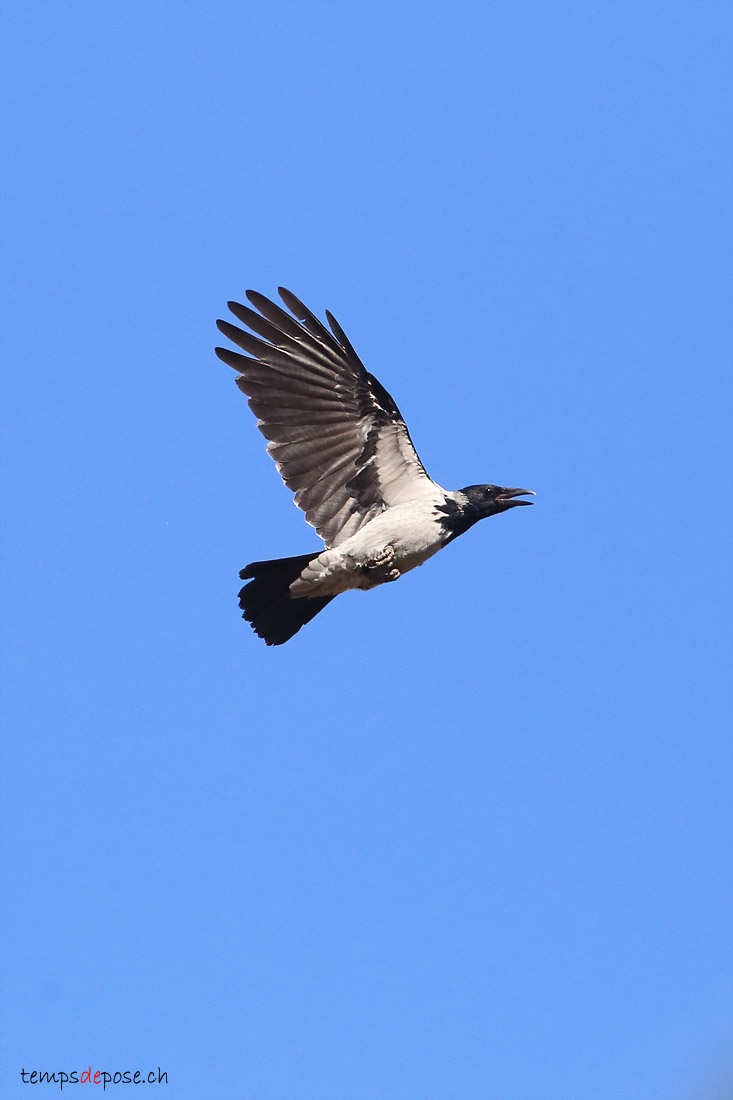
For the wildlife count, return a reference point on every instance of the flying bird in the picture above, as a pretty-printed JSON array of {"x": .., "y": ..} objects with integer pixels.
[{"x": 340, "y": 443}]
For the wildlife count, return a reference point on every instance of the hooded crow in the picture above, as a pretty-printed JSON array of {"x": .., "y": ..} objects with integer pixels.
[{"x": 340, "y": 443}]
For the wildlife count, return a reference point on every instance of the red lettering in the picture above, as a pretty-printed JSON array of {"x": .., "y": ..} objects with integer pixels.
[
  {"x": 97, "y": 1075},
  {"x": 86, "y": 1077}
]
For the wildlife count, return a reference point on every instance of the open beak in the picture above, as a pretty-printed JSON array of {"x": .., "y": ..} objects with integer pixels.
[{"x": 509, "y": 494}]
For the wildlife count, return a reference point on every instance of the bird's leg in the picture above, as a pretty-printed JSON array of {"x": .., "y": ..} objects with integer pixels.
[{"x": 381, "y": 567}]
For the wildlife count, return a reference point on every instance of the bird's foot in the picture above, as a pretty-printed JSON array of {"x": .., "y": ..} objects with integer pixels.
[
  {"x": 383, "y": 558},
  {"x": 381, "y": 567}
]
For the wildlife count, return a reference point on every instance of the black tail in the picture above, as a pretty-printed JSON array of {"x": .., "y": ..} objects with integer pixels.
[{"x": 267, "y": 603}]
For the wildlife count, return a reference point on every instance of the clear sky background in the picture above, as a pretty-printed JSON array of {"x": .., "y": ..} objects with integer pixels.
[{"x": 467, "y": 836}]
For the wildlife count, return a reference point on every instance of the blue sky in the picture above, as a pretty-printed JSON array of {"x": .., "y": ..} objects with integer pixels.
[{"x": 467, "y": 836}]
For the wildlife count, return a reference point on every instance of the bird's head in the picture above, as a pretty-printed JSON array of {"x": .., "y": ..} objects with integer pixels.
[{"x": 489, "y": 500}]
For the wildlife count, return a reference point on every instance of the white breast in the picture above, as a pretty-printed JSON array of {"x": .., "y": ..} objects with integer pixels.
[{"x": 411, "y": 529}]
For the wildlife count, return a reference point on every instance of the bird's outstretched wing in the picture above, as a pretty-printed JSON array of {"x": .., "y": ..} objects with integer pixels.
[{"x": 336, "y": 435}]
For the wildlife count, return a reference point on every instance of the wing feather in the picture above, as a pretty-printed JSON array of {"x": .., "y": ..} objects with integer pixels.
[{"x": 336, "y": 435}]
